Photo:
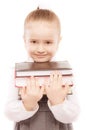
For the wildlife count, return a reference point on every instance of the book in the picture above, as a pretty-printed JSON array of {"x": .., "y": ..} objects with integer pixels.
[
  {"x": 42, "y": 70},
  {"x": 21, "y": 81},
  {"x": 25, "y": 69}
]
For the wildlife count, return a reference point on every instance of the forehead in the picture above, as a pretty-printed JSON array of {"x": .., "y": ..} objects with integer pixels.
[{"x": 41, "y": 27}]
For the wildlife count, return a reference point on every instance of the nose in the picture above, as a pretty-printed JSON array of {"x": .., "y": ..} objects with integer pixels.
[{"x": 40, "y": 48}]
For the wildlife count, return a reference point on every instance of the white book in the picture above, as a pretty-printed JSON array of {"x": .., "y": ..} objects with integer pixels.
[{"x": 21, "y": 82}]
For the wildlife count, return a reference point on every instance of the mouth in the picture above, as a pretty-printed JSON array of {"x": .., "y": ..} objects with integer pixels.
[{"x": 40, "y": 56}]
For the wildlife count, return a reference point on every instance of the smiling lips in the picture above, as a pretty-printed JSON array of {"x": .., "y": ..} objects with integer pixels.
[{"x": 40, "y": 56}]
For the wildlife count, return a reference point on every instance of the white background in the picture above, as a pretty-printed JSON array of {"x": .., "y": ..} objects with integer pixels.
[{"x": 73, "y": 19}]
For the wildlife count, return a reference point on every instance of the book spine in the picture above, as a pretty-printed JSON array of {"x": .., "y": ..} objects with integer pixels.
[{"x": 41, "y": 73}]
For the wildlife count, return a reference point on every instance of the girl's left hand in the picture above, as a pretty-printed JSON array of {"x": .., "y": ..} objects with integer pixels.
[{"x": 55, "y": 92}]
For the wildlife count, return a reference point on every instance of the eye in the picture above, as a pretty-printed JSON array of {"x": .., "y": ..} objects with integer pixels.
[
  {"x": 33, "y": 41},
  {"x": 48, "y": 42}
]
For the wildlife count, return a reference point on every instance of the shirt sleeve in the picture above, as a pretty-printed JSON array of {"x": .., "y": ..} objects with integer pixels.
[
  {"x": 67, "y": 111},
  {"x": 14, "y": 108}
]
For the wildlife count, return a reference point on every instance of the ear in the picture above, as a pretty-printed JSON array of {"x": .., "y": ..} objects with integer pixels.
[
  {"x": 60, "y": 38},
  {"x": 24, "y": 41}
]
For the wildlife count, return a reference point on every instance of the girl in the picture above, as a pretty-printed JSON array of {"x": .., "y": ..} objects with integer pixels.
[{"x": 35, "y": 111}]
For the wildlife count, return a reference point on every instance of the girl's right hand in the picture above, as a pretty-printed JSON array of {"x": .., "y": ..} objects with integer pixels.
[{"x": 31, "y": 94}]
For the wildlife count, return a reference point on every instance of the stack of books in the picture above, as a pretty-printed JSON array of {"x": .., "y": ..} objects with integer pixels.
[{"x": 42, "y": 70}]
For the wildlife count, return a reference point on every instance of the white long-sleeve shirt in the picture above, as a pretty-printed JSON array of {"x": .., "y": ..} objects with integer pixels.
[{"x": 65, "y": 112}]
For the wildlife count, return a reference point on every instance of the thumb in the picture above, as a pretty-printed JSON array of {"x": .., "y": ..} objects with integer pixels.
[
  {"x": 42, "y": 89},
  {"x": 22, "y": 91},
  {"x": 68, "y": 89}
]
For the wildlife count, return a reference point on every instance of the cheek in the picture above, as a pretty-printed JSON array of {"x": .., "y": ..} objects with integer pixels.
[
  {"x": 51, "y": 53},
  {"x": 52, "y": 49},
  {"x": 30, "y": 49}
]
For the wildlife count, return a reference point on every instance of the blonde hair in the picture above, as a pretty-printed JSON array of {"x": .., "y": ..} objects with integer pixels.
[{"x": 42, "y": 15}]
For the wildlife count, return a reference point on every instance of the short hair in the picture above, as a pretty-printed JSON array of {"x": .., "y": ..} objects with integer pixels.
[{"x": 42, "y": 15}]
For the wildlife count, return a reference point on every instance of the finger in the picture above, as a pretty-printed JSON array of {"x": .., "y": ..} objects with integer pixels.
[
  {"x": 60, "y": 77},
  {"x": 67, "y": 88},
  {"x": 28, "y": 84},
  {"x": 46, "y": 84},
  {"x": 54, "y": 78},
  {"x": 57, "y": 79},
  {"x": 23, "y": 91},
  {"x": 46, "y": 81},
  {"x": 37, "y": 86},
  {"x": 56, "y": 74},
  {"x": 51, "y": 79},
  {"x": 32, "y": 82},
  {"x": 42, "y": 89},
  {"x": 19, "y": 91}
]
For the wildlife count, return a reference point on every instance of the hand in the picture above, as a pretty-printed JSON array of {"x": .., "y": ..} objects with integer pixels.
[
  {"x": 31, "y": 94},
  {"x": 56, "y": 93}
]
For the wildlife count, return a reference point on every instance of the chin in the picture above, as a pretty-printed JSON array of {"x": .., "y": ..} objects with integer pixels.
[{"x": 40, "y": 60}]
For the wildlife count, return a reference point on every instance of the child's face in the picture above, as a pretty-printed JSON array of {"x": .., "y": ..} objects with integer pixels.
[{"x": 41, "y": 40}]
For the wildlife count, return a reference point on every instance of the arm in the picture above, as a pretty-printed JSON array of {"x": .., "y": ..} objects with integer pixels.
[
  {"x": 67, "y": 111},
  {"x": 64, "y": 107},
  {"x": 15, "y": 109}
]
